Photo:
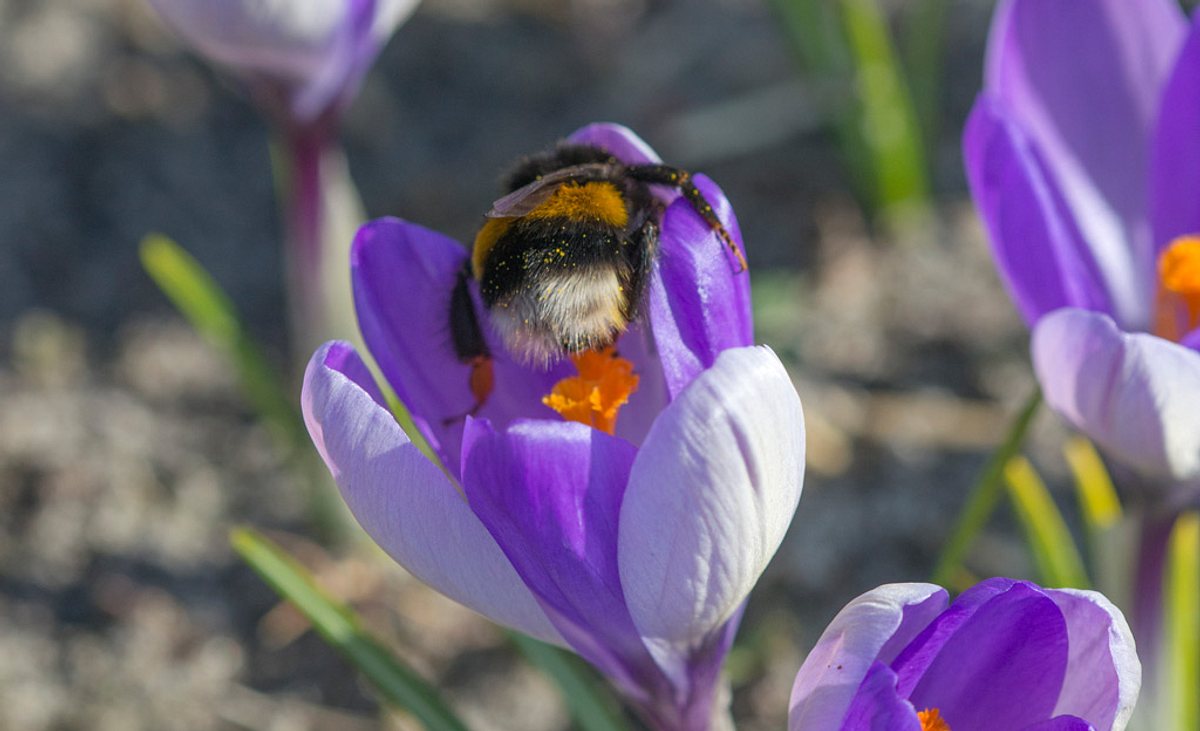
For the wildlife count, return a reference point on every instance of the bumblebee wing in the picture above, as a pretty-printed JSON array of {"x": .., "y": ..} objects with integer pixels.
[{"x": 523, "y": 200}]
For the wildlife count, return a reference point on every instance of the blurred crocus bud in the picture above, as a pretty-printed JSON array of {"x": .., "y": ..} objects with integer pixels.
[{"x": 305, "y": 58}]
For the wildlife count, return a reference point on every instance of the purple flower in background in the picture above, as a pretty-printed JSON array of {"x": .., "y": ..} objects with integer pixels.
[
  {"x": 308, "y": 55},
  {"x": 1004, "y": 656},
  {"x": 1084, "y": 160},
  {"x": 635, "y": 548},
  {"x": 303, "y": 60}
]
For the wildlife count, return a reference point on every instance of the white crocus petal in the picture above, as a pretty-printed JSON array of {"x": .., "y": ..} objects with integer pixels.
[
  {"x": 404, "y": 502},
  {"x": 876, "y": 625},
  {"x": 1136, "y": 395},
  {"x": 1104, "y": 673},
  {"x": 710, "y": 496}
]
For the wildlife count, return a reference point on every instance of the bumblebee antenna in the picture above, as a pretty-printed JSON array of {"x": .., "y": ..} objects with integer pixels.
[{"x": 682, "y": 179}]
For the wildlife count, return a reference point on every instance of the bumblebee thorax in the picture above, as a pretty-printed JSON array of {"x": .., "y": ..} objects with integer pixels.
[{"x": 589, "y": 202}]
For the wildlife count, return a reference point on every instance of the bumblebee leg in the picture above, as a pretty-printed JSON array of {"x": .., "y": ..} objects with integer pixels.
[
  {"x": 482, "y": 380},
  {"x": 469, "y": 344},
  {"x": 682, "y": 179}
]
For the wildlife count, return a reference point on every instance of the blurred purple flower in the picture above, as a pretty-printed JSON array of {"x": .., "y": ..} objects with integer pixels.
[
  {"x": 1005, "y": 656},
  {"x": 303, "y": 61},
  {"x": 636, "y": 549},
  {"x": 1083, "y": 159},
  {"x": 307, "y": 55}
]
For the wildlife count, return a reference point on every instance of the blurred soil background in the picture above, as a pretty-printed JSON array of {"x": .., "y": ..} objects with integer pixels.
[{"x": 127, "y": 452}]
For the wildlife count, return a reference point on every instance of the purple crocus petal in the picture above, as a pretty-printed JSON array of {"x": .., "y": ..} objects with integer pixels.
[
  {"x": 1175, "y": 159},
  {"x": 1002, "y": 668},
  {"x": 404, "y": 502},
  {"x": 651, "y": 396},
  {"x": 1191, "y": 340},
  {"x": 1134, "y": 394},
  {"x": 873, "y": 627},
  {"x": 403, "y": 277},
  {"x": 550, "y": 494},
  {"x": 875, "y": 707},
  {"x": 699, "y": 304},
  {"x": 915, "y": 657},
  {"x": 1103, "y": 672},
  {"x": 1037, "y": 246},
  {"x": 284, "y": 39},
  {"x": 350, "y": 53},
  {"x": 1083, "y": 78},
  {"x": 618, "y": 140},
  {"x": 1063, "y": 723},
  {"x": 710, "y": 496}
]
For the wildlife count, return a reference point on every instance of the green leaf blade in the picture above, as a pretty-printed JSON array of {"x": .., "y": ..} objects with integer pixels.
[
  {"x": 205, "y": 305},
  {"x": 1098, "y": 499},
  {"x": 337, "y": 624},
  {"x": 190, "y": 288},
  {"x": 889, "y": 125},
  {"x": 1181, "y": 594},
  {"x": 1054, "y": 550},
  {"x": 984, "y": 497}
]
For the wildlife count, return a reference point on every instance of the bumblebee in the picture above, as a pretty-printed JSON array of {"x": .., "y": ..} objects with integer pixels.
[{"x": 563, "y": 260}]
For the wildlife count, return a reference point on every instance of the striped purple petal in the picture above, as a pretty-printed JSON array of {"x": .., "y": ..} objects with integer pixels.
[
  {"x": 1082, "y": 78},
  {"x": 1036, "y": 242}
]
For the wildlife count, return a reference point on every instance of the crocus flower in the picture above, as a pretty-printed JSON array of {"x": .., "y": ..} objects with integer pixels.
[
  {"x": 309, "y": 55},
  {"x": 1004, "y": 656},
  {"x": 1084, "y": 161},
  {"x": 303, "y": 61},
  {"x": 635, "y": 548}
]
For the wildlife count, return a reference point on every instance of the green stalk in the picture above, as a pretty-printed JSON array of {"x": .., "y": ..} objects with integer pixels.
[
  {"x": 984, "y": 497},
  {"x": 1054, "y": 550},
  {"x": 1182, "y": 626},
  {"x": 887, "y": 119}
]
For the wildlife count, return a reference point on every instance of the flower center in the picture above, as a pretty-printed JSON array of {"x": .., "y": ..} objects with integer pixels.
[
  {"x": 1179, "y": 288},
  {"x": 594, "y": 397},
  {"x": 931, "y": 720}
]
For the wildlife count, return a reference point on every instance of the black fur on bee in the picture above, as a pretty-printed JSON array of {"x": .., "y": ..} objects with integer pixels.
[{"x": 564, "y": 259}]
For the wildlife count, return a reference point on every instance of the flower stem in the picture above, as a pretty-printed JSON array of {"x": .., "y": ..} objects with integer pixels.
[
  {"x": 985, "y": 494},
  {"x": 298, "y": 180},
  {"x": 321, "y": 211}
]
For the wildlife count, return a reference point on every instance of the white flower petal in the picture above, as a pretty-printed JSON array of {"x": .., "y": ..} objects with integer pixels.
[
  {"x": 403, "y": 501},
  {"x": 710, "y": 497},
  {"x": 1136, "y": 395}
]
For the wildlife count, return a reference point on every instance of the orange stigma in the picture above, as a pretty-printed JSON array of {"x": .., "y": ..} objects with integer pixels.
[
  {"x": 931, "y": 720},
  {"x": 594, "y": 397},
  {"x": 1179, "y": 288}
]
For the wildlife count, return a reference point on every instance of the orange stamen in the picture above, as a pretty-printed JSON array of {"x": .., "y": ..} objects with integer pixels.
[
  {"x": 931, "y": 720},
  {"x": 594, "y": 397},
  {"x": 1178, "y": 310}
]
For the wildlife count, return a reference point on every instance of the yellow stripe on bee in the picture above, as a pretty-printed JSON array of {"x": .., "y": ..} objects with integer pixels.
[
  {"x": 597, "y": 201},
  {"x": 487, "y": 237}
]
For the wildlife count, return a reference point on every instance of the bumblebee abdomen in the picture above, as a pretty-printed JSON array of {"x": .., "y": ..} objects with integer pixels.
[
  {"x": 531, "y": 248},
  {"x": 556, "y": 285}
]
